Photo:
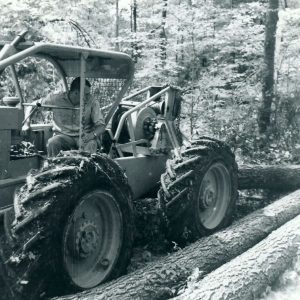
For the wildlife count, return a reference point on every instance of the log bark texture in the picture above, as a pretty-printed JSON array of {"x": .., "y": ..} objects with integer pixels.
[
  {"x": 249, "y": 274},
  {"x": 279, "y": 178},
  {"x": 161, "y": 279}
]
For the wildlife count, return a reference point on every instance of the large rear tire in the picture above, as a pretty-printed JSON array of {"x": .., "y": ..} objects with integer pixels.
[
  {"x": 74, "y": 225},
  {"x": 199, "y": 192}
]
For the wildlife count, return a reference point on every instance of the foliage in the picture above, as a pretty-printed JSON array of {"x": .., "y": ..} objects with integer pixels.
[{"x": 214, "y": 53}]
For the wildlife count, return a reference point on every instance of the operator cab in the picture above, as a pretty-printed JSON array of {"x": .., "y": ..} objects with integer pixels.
[
  {"x": 33, "y": 65},
  {"x": 30, "y": 71}
]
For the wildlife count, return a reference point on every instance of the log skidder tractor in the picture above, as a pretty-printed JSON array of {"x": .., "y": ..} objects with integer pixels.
[{"x": 69, "y": 221}]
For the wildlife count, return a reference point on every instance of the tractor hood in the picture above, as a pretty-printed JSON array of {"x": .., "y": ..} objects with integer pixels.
[{"x": 99, "y": 64}]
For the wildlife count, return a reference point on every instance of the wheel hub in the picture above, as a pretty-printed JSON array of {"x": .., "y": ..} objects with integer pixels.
[
  {"x": 209, "y": 196},
  {"x": 149, "y": 127},
  {"x": 87, "y": 239}
]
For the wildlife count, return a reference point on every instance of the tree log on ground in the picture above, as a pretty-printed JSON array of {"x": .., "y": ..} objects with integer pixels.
[
  {"x": 280, "y": 178},
  {"x": 248, "y": 275},
  {"x": 162, "y": 279}
]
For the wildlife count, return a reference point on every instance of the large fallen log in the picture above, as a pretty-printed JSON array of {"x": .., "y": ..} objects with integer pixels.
[
  {"x": 161, "y": 279},
  {"x": 249, "y": 274},
  {"x": 280, "y": 178}
]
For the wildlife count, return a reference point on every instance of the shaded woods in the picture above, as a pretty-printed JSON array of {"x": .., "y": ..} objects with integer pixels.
[
  {"x": 237, "y": 65},
  {"x": 240, "y": 81}
]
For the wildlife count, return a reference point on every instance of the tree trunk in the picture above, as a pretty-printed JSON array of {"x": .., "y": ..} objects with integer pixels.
[
  {"x": 117, "y": 26},
  {"x": 268, "y": 72},
  {"x": 162, "y": 35},
  {"x": 280, "y": 178},
  {"x": 134, "y": 14},
  {"x": 133, "y": 26},
  {"x": 248, "y": 275},
  {"x": 161, "y": 279}
]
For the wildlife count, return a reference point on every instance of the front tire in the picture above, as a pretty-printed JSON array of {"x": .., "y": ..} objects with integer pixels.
[{"x": 199, "y": 192}]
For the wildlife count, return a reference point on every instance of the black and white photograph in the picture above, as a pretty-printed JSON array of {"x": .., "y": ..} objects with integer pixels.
[{"x": 150, "y": 149}]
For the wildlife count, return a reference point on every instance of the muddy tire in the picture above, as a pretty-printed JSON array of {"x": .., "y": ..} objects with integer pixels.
[
  {"x": 73, "y": 226},
  {"x": 199, "y": 192}
]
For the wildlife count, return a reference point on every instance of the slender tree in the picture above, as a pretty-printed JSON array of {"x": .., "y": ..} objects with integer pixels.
[
  {"x": 117, "y": 25},
  {"x": 162, "y": 34},
  {"x": 134, "y": 13},
  {"x": 264, "y": 118},
  {"x": 133, "y": 27}
]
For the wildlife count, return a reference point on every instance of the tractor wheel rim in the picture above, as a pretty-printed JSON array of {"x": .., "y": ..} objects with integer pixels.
[
  {"x": 214, "y": 195},
  {"x": 92, "y": 239}
]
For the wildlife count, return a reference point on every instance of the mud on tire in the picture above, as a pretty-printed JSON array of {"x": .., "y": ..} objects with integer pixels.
[
  {"x": 199, "y": 192},
  {"x": 43, "y": 208}
]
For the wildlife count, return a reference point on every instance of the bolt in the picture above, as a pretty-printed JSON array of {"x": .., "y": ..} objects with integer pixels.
[
  {"x": 104, "y": 263},
  {"x": 210, "y": 198}
]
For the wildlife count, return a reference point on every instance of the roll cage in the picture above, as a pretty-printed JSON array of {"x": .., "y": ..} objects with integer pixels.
[
  {"x": 114, "y": 73},
  {"x": 113, "y": 70}
]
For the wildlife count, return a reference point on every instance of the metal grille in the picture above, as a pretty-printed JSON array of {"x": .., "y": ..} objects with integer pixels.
[{"x": 106, "y": 91}]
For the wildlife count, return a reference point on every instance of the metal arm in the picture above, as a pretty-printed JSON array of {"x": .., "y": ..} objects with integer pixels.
[
  {"x": 10, "y": 48},
  {"x": 52, "y": 106},
  {"x": 36, "y": 106}
]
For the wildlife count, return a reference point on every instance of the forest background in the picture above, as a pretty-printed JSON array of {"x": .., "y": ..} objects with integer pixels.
[{"x": 214, "y": 50}]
